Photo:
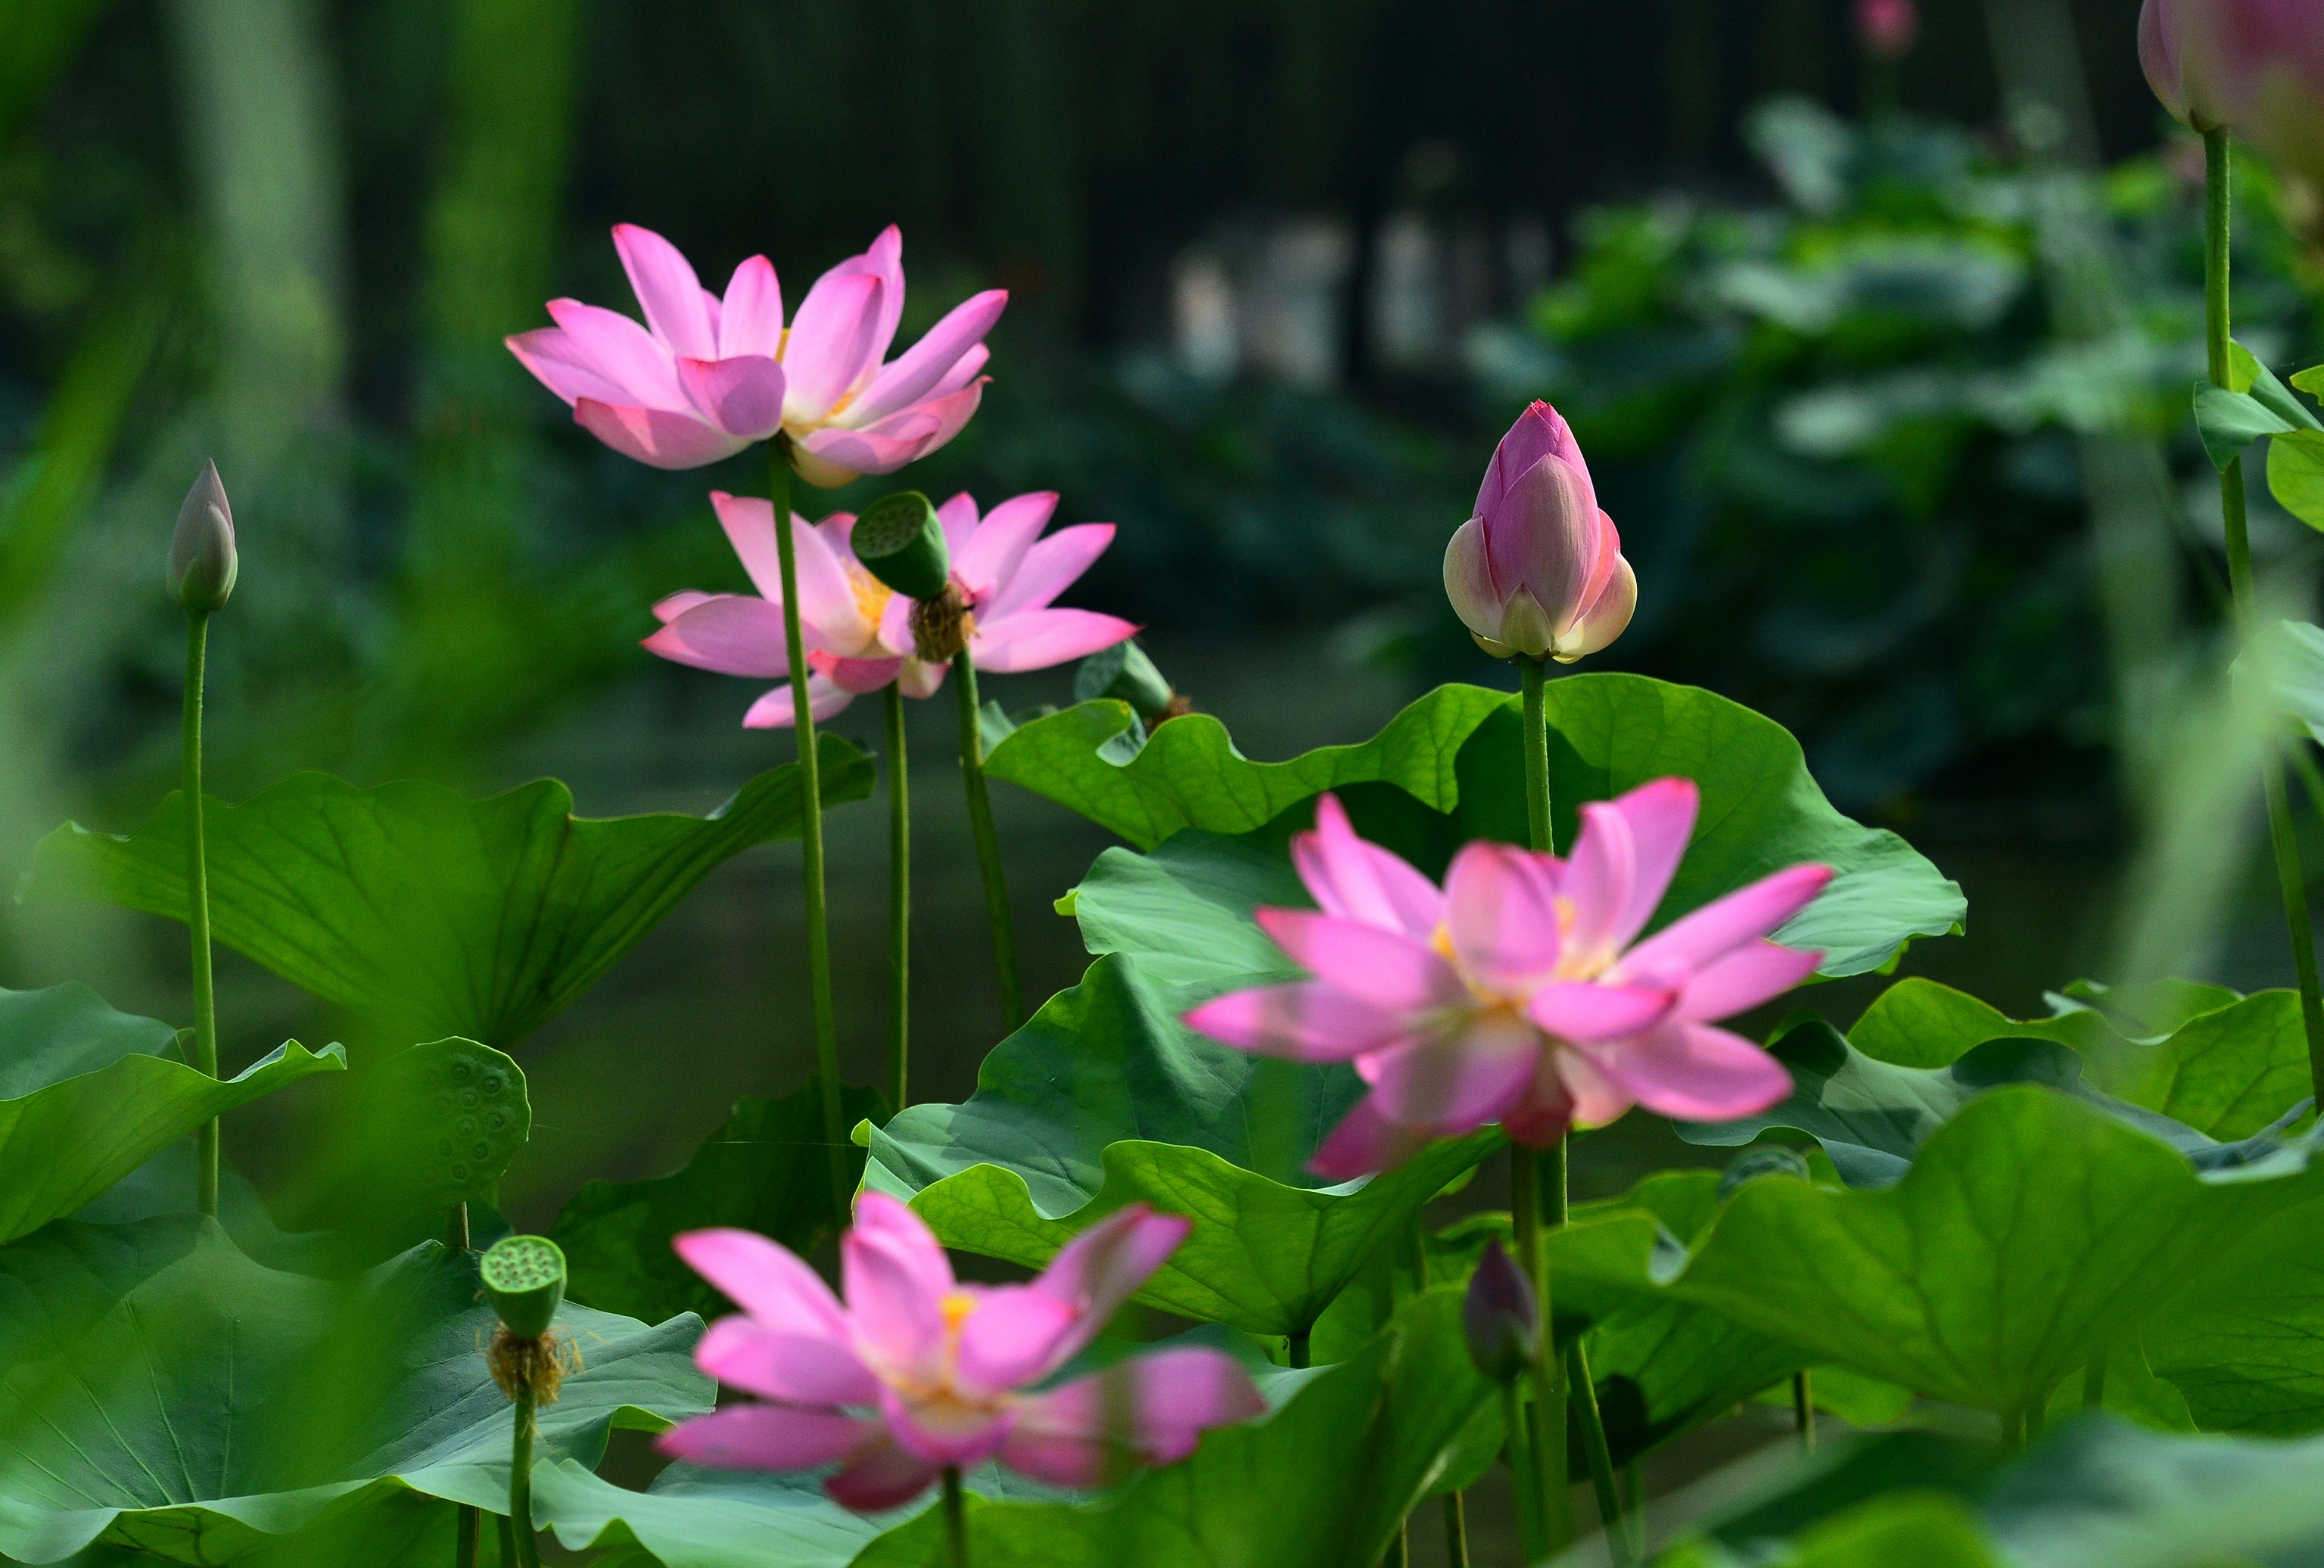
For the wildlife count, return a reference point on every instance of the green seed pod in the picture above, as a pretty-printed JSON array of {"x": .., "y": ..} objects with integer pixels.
[
  {"x": 524, "y": 1276},
  {"x": 900, "y": 543},
  {"x": 1123, "y": 672}
]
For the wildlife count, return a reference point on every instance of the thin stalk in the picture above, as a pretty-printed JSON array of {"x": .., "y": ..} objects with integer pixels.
[
  {"x": 1804, "y": 1410},
  {"x": 899, "y": 902},
  {"x": 1546, "y": 1434},
  {"x": 467, "y": 1536},
  {"x": 988, "y": 845},
  {"x": 818, "y": 926},
  {"x": 508, "y": 1540},
  {"x": 455, "y": 1228},
  {"x": 955, "y": 1512},
  {"x": 1456, "y": 1530},
  {"x": 197, "y": 908},
  {"x": 1518, "y": 1455},
  {"x": 2291, "y": 879},
  {"x": 1532, "y": 676},
  {"x": 1600, "y": 1458},
  {"x": 1399, "y": 1545},
  {"x": 528, "y": 1547}
]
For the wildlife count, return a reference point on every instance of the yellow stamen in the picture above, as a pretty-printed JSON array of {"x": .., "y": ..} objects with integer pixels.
[{"x": 955, "y": 1307}]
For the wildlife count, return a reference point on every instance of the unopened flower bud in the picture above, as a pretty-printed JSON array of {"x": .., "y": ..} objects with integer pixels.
[
  {"x": 1502, "y": 1317},
  {"x": 1126, "y": 674},
  {"x": 202, "y": 560}
]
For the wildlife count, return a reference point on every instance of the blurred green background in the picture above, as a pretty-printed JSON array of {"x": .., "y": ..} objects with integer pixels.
[{"x": 1882, "y": 365}]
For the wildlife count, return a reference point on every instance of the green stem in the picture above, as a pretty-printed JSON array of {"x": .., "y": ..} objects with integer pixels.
[
  {"x": 988, "y": 845},
  {"x": 1294, "y": 1348},
  {"x": 955, "y": 1512},
  {"x": 900, "y": 901},
  {"x": 467, "y": 1536},
  {"x": 818, "y": 928},
  {"x": 1546, "y": 1437},
  {"x": 1531, "y": 675},
  {"x": 1456, "y": 1531},
  {"x": 455, "y": 1228},
  {"x": 528, "y": 1548},
  {"x": 1399, "y": 1545},
  {"x": 1804, "y": 1410},
  {"x": 508, "y": 1540},
  {"x": 1600, "y": 1458},
  {"x": 197, "y": 908},
  {"x": 2291, "y": 881},
  {"x": 1519, "y": 1454}
]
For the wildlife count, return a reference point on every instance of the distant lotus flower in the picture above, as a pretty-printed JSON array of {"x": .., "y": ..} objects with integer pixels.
[
  {"x": 708, "y": 375},
  {"x": 1516, "y": 995},
  {"x": 1539, "y": 570},
  {"x": 916, "y": 1373},
  {"x": 2255, "y": 65},
  {"x": 857, "y": 630},
  {"x": 1888, "y": 28}
]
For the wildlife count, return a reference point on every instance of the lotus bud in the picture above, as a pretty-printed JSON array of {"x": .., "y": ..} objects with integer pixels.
[
  {"x": 900, "y": 541},
  {"x": 1887, "y": 28},
  {"x": 1500, "y": 1317},
  {"x": 1124, "y": 673},
  {"x": 2254, "y": 66},
  {"x": 202, "y": 561},
  {"x": 1539, "y": 569}
]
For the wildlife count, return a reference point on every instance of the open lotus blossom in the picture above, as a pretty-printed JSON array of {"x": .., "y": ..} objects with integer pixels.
[
  {"x": 1520, "y": 993},
  {"x": 857, "y": 630},
  {"x": 917, "y": 1374},
  {"x": 709, "y": 374},
  {"x": 2255, "y": 65},
  {"x": 1539, "y": 571}
]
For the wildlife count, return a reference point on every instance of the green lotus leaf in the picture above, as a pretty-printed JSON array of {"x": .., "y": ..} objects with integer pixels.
[
  {"x": 763, "y": 1170},
  {"x": 1103, "y": 1099},
  {"x": 167, "y": 1395},
  {"x": 1180, "y": 906},
  {"x": 422, "y": 911},
  {"x": 2231, "y": 418},
  {"x": 2248, "y": 1354},
  {"x": 2032, "y": 1232},
  {"x": 691, "y": 1517},
  {"x": 2295, "y": 475},
  {"x": 88, "y": 1094}
]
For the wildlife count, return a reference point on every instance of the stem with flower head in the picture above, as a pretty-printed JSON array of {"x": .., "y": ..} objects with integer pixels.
[
  {"x": 899, "y": 901},
  {"x": 955, "y": 1513},
  {"x": 2291, "y": 879},
  {"x": 988, "y": 845},
  {"x": 818, "y": 932},
  {"x": 197, "y": 906}
]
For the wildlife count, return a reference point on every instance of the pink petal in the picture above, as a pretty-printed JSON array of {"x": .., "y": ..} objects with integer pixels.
[
  {"x": 750, "y": 524},
  {"x": 1604, "y": 558},
  {"x": 882, "y": 1476},
  {"x": 861, "y": 675},
  {"x": 920, "y": 679},
  {"x": 1544, "y": 538},
  {"x": 957, "y": 378},
  {"x": 830, "y": 343},
  {"x": 895, "y": 633},
  {"x": 751, "y": 318},
  {"x": 1660, "y": 815},
  {"x": 1469, "y": 583},
  {"x": 1541, "y": 431},
  {"x": 1692, "y": 941},
  {"x": 679, "y": 604},
  {"x": 897, "y": 1278},
  {"x": 742, "y": 396},
  {"x": 833, "y": 456},
  {"x": 958, "y": 519},
  {"x": 1307, "y": 1021},
  {"x": 1364, "y": 1144},
  {"x": 1748, "y": 975},
  {"x": 623, "y": 352},
  {"x": 730, "y": 633},
  {"x": 1603, "y": 621},
  {"x": 659, "y": 439},
  {"x": 1151, "y": 1409},
  {"x": 1012, "y": 1339},
  {"x": 1355, "y": 880},
  {"x": 666, "y": 286},
  {"x": 1501, "y": 914},
  {"x": 942, "y": 1430},
  {"x": 1456, "y": 1083},
  {"x": 883, "y": 259},
  {"x": 916, "y": 373},
  {"x": 1049, "y": 569},
  {"x": 1584, "y": 1012},
  {"x": 564, "y": 368},
  {"x": 767, "y": 1437},
  {"x": 923, "y": 428},
  {"x": 1593, "y": 1099},
  {"x": 1385, "y": 968},
  {"x": 1102, "y": 1268},
  {"x": 1693, "y": 1071},
  {"x": 1596, "y": 885},
  {"x": 765, "y": 1279},
  {"x": 1038, "y": 638},
  {"x": 798, "y": 1368},
  {"x": 775, "y": 710},
  {"x": 989, "y": 557}
]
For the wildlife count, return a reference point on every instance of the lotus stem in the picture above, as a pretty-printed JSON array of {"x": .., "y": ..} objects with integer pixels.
[
  {"x": 955, "y": 1512},
  {"x": 467, "y": 1533},
  {"x": 2291, "y": 879},
  {"x": 1399, "y": 1545},
  {"x": 528, "y": 1548},
  {"x": 197, "y": 906},
  {"x": 1456, "y": 1530},
  {"x": 988, "y": 845},
  {"x": 899, "y": 902},
  {"x": 1803, "y": 1411},
  {"x": 1546, "y": 1437},
  {"x": 818, "y": 924},
  {"x": 1518, "y": 1455},
  {"x": 1611, "y": 1517}
]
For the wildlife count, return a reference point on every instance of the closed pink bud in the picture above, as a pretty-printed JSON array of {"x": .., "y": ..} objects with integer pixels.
[
  {"x": 1539, "y": 571},
  {"x": 202, "y": 558},
  {"x": 1888, "y": 28},
  {"x": 2254, "y": 66}
]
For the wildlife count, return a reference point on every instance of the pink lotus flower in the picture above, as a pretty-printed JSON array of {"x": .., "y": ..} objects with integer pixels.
[
  {"x": 1539, "y": 570},
  {"x": 706, "y": 375},
  {"x": 2255, "y": 65},
  {"x": 1519, "y": 993},
  {"x": 917, "y": 1374},
  {"x": 857, "y": 630},
  {"x": 1887, "y": 27}
]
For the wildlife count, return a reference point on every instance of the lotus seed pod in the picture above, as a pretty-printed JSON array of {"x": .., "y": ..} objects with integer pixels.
[
  {"x": 900, "y": 541},
  {"x": 1500, "y": 1317},
  {"x": 202, "y": 559},
  {"x": 524, "y": 1276},
  {"x": 1764, "y": 1159},
  {"x": 1126, "y": 674}
]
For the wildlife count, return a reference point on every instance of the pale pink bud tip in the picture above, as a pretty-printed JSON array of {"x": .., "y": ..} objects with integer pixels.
[{"x": 202, "y": 559}]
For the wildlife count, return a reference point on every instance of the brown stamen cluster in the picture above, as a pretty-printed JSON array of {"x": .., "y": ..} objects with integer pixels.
[
  {"x": 942, "y": 626},
  {"x": 540, "y": 1365},
  {"x": 1179, "y": 705}
]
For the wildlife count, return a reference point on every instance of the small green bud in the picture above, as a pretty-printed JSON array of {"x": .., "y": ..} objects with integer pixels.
[
  {"x": 1500, "y": 1317},
  {"x": 524, "y": 1276},
  {"x": 202, "y": 560},
  {"x": 1124, "y": 672},
  {"x": 900, "y": 540}
]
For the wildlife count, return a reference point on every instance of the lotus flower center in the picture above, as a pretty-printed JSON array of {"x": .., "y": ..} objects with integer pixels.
[
  {"x": 871, "y": 594},
  {"x": 1487, "y": 998},
  {"x": 955, "y": 1307}
]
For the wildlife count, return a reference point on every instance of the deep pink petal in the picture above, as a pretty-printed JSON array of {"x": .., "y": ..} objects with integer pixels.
[
  {"x": 1012, "y": 1339},
  {"x": 1582, "y": 1011},
  {"x": 742, "y": 396},
  {"x": 750, "y": 524},
  {"x": 861, "y": 675},
  {"x": 564, "y": 368},
  {"x": 659, "y": 439},
  {"x": 1752, "y": 974},
  {"x": 750, "y": 316},
  {"x": 831, "y": 343},
  {"x": 1500, "y": 913},
  {"x": 679, "y": 604},
  {"x": 767, "y": 1437},
  {"x": 959, "y": 518},
  {"x": 989, "y": 559},
  {"x": 944, "y": 1431},
  {"x": 883, "y": 259},
  {"x": 1038, "y": 638},
  {"x": 668, "y": 289},
  {"x": 1454, "y": 1084},
  {"x": 798, "y": 1368},
  {"x": 774, "y": 711},
  {"x": 1364, "y": 1144},
  {"x": 623, "y": 352},
  {"x": 765, "y": 1279},
  {"x": 1356, "y": 880},
  {"x": 1307, "y": 1021},
  {"x": 1693, "y": 941},
  {"x": 925, "y": 426},
  {"x": 957, "y": 378},
  {"x": 1596, "y": 885},
  {"x": 1660, "y": 814},
  {"x": 1151, "y": 1409},
  {"x": 833, "y": 456},
  {"x": 1049, "y": 569},
  {"x": 730, "y": 634},
  {"x": 916, "y": 373},
  {"x": 1544, "y": 538},
  {"x": 897, "y": 1278},
  {"x": 882, "y": 1476},
  {"x": 1385, "y": 968},
  {"x": 1102, "y": 1268},
  {"x": 1693, "y": 1071},
  {"x": 1541, "y": 431}
]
